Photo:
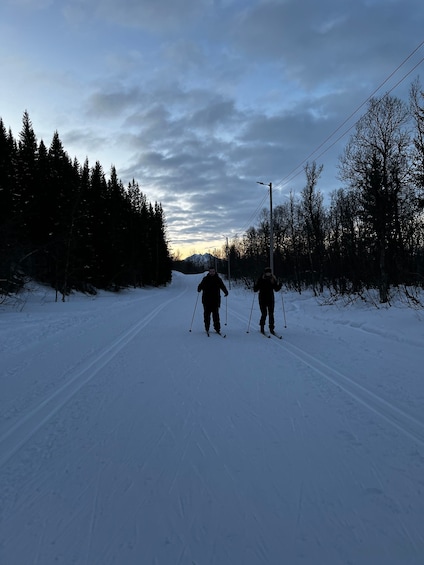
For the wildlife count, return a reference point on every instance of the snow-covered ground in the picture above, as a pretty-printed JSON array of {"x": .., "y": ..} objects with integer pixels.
[{"x": 126, "y": 439}]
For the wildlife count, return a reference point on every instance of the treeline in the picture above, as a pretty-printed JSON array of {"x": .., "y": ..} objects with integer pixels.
[
  {"x": 371, "y": 235},
  {"x": 64, "y": 224}
]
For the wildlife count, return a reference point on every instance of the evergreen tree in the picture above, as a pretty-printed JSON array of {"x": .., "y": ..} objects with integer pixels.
[
  {"x": 161, "y": 259},
  {"x": 117, "y": 232},
  {"x": 24, "y": 210},
  {"x": 8, "y": 228},
  {"x": 83, "y": 221},
  {"x": 98, "y": 227}
]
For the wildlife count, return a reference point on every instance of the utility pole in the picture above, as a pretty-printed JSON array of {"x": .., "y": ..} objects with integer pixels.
[
  {"x": 271, "y": 226},
  {"x": 228, "y": 263}
]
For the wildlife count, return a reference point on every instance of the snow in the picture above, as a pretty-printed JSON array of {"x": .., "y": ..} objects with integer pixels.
[{"x": 127, "y": 439}]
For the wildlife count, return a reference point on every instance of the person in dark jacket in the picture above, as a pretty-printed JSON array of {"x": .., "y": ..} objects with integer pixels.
[
  {"x": 266, "y": 285},
  {"x": 211, "y": 285}
]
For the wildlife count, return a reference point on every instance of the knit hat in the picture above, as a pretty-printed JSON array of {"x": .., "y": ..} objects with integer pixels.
[{"x": 268, "y": 270}]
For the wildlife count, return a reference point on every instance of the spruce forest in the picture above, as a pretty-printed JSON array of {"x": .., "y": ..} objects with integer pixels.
[
  {"x": 371, "y": 234},
  {"x": 65, "y": 225}
]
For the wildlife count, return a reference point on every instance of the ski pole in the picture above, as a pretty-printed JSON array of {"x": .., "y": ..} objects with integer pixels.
[
  {"x": 226, "y": 309},
  {"x": 284, "y": 310},
  {"x": 195, "y": 306},
  {"x": 250, "y": 317}
]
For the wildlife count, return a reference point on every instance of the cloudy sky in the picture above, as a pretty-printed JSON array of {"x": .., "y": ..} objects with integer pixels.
[{"x": 197, "y": 100}]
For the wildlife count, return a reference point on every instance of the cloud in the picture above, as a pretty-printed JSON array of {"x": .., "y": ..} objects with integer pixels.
[
  {"x": 104, "y": 103},
  {"x": 31, "y": 4},
  {"x": 199, "y": 99},
  {"x": 316, "y": 42},
  {"x": 161, "y": 16}
]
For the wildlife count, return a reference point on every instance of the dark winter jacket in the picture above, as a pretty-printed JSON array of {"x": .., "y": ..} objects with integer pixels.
[
  {"x": 211, "y": 286},
  {"x": 266, "y": 286}
]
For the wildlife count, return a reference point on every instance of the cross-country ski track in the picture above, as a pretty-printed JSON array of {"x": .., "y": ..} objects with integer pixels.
[{"x": 127, "y": 439}]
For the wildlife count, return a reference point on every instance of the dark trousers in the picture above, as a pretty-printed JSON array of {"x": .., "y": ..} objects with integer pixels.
[
  {"x": 267, "y": 309},
  {"x": 207, "y": 311}
]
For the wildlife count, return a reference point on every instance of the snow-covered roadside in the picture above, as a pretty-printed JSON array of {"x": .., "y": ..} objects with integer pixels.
[{"x": 126, "y": 439}]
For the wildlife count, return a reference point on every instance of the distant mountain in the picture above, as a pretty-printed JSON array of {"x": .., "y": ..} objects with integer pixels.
[
  {"x": 201, "y": 260},
  {"x": 198, "y": 263}
]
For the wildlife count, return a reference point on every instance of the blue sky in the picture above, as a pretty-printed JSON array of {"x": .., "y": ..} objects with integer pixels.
[{"x": 199, "y": 99}]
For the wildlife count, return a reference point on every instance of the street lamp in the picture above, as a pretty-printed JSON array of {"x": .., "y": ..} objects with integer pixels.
[{"x": 271, "y": 227}]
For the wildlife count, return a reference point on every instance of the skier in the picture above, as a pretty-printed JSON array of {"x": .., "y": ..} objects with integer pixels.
[
  {"x": 266, "y": 285},
  {"x": 211, "y": 285}
]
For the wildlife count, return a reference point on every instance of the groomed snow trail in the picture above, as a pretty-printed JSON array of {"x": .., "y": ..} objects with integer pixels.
[{"x": 125, "y": 439}]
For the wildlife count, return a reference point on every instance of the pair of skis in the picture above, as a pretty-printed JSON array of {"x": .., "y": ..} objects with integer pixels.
[
  {"x": 268, "y": 335},
  {"x": 208, "y": 333}
]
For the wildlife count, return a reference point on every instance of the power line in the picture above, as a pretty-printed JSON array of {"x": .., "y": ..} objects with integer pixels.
[
  {"x": 387, "y": 93},
  {"x": 289, "y": 176},
  {"x": 297, "y": 170},
  {"x": 254, "y": 214}
]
